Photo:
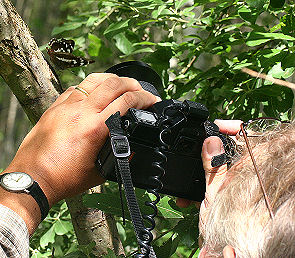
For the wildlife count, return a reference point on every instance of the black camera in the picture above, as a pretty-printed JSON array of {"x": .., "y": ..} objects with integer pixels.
[{"x": 169, "y": 134}]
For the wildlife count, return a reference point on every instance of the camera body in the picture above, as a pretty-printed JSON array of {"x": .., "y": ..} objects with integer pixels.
[{"x": 171, "y": 129}]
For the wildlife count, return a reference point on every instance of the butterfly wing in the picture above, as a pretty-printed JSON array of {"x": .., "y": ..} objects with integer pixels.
[
  {"x": 62, "y": 45},
  {"x": 60, "y": 53},
  {"x": 67, "y": 60}
]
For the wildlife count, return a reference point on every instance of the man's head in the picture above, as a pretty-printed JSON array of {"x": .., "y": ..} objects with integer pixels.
[{"x": 238, "y": 217}]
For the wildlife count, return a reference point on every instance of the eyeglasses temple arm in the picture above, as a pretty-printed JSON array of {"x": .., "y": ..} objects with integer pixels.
[{"x": 257, "y": 173}]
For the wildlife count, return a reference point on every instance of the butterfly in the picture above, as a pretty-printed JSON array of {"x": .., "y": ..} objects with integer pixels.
[{"x": 60, "y": 53}]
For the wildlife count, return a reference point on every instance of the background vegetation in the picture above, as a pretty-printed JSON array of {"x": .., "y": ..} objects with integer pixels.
[{"x": 198, "y": 47}]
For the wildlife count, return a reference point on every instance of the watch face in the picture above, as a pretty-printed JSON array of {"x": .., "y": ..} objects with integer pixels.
[{"x": 16, "y": 181}]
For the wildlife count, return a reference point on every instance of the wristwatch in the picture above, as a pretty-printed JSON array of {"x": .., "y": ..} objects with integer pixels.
[{"x": 19, "y": 182}]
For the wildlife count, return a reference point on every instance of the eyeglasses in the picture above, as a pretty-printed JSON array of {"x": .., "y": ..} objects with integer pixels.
[
  {"x": 255, "y": 128},
  {"x": 260, "y": 126}
]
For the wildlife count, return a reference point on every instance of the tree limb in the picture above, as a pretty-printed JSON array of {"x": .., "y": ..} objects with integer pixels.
[{"x": 22, "y": 65}]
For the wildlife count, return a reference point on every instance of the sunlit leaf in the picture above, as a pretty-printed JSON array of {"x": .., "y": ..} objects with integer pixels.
[
  {"x": 257, "y": 38},
  {"x": 115, "y": 28},
  {"x": 48, "y": 237},
  {"x": 62, "y": 227},
  {"x": 123, "y": 44},
  {"x": 95, "y": 45},
  {"x": 66, "y": 27}
]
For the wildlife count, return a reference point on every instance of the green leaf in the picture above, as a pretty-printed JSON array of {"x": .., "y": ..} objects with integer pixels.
[
  {"x": 166, "y": 210},
  {"x": 48, "y": 237},
  {"x": 116, "y": 28},
  {"x": 277, "y": 72},
  {"x": 91, "y": 20},
  {"x": 143, "y": 50},
  {"x": 277, "y": 3},
  {"x": 288, "y": 61},
  {"x": 241, "y": 65},
  {"x": 87, "y": 249},
  {"x": 187, "y": 230},
  {"x": 163, "y": 251},
  {"x": 179, "y": 4},
  {"x": 168, "y": 248},
  {"x": 110, "y": 254},
  {"x": 66, "y": 27},
  {"x": 62, "y": 227},
  {"x": 257, "y": 38},
  {"x": 121, "y": 231},
  {"x": 123, "y": 44},
  {"x": 175, "y": 244},
  {"x": 76, "y": 254},
  {"x": 110, "y": 203},
  {"x": 247, "y": 14},
  {"x": 161, "y": 11},
  {"x": 94, "y": 45},
  {"x": 256, "y": 3}
]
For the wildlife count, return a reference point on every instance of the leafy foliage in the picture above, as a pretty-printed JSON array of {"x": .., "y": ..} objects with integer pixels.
[
  {"x": 199, "y": 48},
  {"x": 55, "y": 234}
]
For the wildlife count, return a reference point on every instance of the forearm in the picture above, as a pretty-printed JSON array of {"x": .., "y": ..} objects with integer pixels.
[{"x": 24, "y": 205}]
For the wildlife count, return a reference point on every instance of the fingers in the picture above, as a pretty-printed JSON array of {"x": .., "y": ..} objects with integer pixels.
[
  {"x": 230, "y": 127},
  {"x": 63, "y": 96},
  {"x": 212, "y": 147},
  {"x": 89, "y": 84},
  {"x": 111, "y": 89},
  {"x": 136, "y": 99}
]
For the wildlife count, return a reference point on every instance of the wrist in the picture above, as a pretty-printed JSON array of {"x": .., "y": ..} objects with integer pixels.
[
  {"x": 24, "y": 205},
  {"x": 37, "y": 175}
]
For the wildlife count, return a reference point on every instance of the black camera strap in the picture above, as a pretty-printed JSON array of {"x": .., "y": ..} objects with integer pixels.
[{"x": 121, "y": 151}]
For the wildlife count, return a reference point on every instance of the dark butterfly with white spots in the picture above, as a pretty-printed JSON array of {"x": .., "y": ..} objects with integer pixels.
[{"x": 60, "y": 53}]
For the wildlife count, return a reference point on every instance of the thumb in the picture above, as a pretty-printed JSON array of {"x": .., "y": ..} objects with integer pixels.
[
  {"x": 215, "y": 176},
  {"x": 212, "y": 147}
]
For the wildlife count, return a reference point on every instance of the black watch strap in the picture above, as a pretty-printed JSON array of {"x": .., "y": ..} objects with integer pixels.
[{"x": 37, "y": 193}]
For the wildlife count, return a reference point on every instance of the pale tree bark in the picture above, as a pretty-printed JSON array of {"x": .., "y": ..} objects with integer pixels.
[
  {"x": 9, "y": 143},
  {"x": 34, "y": 84}
]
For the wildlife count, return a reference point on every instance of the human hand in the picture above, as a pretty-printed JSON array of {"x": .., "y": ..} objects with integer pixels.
[
  {"x": 215, "y": 177},
  {"x": 61, "y": 150}
]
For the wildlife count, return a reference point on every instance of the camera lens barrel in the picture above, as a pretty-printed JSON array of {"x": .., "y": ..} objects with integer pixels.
[{"x": 147, "y": 77}]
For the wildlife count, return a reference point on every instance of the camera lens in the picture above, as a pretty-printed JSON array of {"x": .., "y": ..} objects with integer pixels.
[{"x": 147, "y": 77}]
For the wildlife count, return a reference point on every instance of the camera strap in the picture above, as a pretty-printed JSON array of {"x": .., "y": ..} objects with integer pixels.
[{"x": 121, "y": 151}]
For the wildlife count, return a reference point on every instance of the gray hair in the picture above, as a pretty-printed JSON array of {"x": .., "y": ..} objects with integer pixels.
[{"x": 239, "y": 216}]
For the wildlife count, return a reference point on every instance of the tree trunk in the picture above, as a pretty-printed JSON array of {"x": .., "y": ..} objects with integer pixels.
[{"x": 28, "y": 75}]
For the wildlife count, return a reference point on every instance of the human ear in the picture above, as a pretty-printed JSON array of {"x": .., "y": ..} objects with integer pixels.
[{"x": 228, "y": 252}]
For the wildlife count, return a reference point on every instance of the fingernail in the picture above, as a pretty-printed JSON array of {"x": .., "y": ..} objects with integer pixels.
[
  {"x": 214, "y": 146},
  {"x": 158, "y": 99}
]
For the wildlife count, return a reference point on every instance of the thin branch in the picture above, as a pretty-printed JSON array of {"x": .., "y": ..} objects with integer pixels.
[
  {"x": 189, "y": 65},
  {"x": 268, "y": 78},
  {"x": 108, "y": 14},
  {"x": 193, "y": 252}
]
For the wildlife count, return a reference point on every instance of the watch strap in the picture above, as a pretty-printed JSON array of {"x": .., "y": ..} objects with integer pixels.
[{"x": 37, "y": 193}]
